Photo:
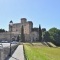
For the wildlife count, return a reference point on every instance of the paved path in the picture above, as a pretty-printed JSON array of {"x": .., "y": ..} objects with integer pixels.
[{"x": 18, "y": 54}]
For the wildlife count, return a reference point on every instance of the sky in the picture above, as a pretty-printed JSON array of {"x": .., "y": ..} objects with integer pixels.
[{"x": 43, "y": 12}]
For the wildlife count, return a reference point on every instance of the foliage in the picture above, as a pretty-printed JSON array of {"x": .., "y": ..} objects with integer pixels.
[
  {"x": 18, "y": 38},
  {"x": 43, "y": 29},
  {"x": 22, "y": 34},
  {"x": 55, "y": 35},
  {"x": 2, "y": 30},
  {"x": 46, "y": 36},
  {"x": 40, "y": 33}
]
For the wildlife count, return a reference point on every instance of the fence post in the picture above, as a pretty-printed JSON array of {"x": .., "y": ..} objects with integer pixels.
[{"x": 1, "y": 52}]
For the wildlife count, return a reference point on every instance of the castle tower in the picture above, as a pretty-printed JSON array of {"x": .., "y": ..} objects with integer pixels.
[
  {"x": 28, "y": 27},
  {"x": 23, "y": 20}
]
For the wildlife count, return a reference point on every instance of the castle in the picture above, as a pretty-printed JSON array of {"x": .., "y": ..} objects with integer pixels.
[
  {"x": 28, "y": 25},
  {"x": 30, "y": 33}
]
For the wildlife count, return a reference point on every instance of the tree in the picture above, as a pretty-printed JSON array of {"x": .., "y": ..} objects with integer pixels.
[
  {"x": 2, "y": 30},
  {"x": 55, "y": 35},
  {"x": 43, "y": 29},
  {"x": 18, "y": 38},
  {"x": 22, "y": 34},
  {"x": 40, "y": 33},
  {"x": 46, "y": 36}
]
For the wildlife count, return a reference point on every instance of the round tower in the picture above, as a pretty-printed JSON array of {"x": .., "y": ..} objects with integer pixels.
[{"x": 10, "y": 25}]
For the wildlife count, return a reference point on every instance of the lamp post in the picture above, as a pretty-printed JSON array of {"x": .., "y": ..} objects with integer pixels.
[{"x": 10, "y": 26}]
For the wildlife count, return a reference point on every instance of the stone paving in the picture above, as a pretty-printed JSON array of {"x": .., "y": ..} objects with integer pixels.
[
  {"x": 18, "y": 54},
  {"x": 5, "y": 49}
]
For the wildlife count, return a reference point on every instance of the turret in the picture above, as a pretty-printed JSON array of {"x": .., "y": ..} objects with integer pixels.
[
  {"x": 23, "y": 20},
  {"x": 10, "y": 25}
]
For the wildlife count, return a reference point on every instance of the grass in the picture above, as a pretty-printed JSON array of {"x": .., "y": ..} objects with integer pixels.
[{"x": 40, "y": 52}]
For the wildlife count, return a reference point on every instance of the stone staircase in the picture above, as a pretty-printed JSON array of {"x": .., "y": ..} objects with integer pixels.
[{"x": 49, "y": 44}]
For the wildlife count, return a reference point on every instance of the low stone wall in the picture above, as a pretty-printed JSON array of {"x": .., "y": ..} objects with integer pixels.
[
  {"x": 8, "y": 35},
  {"x": 4, "y": 53}
]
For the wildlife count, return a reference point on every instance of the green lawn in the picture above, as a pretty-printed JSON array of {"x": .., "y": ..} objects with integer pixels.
[{"x": 41, "y": 52}]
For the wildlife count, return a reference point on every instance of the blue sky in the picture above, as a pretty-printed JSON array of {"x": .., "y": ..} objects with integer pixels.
[{"x": 43, "y": 12}]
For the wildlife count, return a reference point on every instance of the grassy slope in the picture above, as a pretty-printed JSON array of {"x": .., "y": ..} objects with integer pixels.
[{"x": 35, "y": 52}]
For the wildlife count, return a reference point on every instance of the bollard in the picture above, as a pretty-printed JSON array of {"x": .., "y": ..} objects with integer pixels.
[{"x": 1, "y": 52}]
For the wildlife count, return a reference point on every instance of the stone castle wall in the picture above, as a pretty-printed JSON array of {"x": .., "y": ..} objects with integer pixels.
[
  {"x": 28, "y": 25},
  {"x": 16, "y": 30},
  {"x": 8, "y": 36}
]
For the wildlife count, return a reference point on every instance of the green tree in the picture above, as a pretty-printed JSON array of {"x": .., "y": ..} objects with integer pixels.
[
  {"x": 18, "y": 38},
  {"x": 46, "y": 36},
  {"x": 40, "y": 33},
  {"x": 55, "y": 35},
  {"x": 22, "y": 34},
  {"x": 43, "y": 29},
  {"x": 2, "y": 30}
]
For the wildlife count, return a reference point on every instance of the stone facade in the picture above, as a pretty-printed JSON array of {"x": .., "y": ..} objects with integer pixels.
[
  {"x": 34, "y": 36},
  {"x": 28, "y": 25},
  {"x": 8, "y": 36},
  {"x": 16, "y": 30}
]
